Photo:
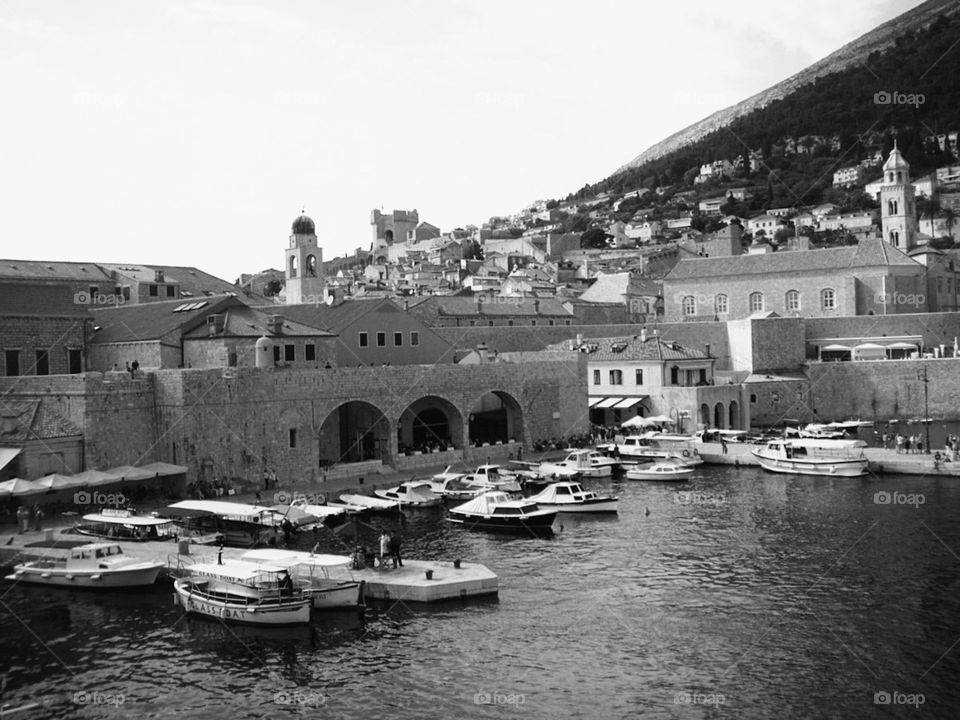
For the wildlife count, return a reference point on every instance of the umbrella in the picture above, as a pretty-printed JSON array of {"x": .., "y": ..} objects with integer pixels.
[
  {"x": 58, "y": 482},
  {"x": 91, "y": 478},
  {"x": 18, "y": 487},
  {"x": 162, "y": 468},
  {"x": 129, "y": 473},
  {"x": 639, "y": 421}
]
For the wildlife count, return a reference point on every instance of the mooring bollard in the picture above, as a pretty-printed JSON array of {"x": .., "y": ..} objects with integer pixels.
[
  {"x": 429, "y": 574},
  {"x": 456, "y": 563}
]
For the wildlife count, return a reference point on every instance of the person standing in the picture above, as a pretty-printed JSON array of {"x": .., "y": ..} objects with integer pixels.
[
  {"x": 37, "y": 517},
  {"x": 394, "y": 547},
  {"x": 23, "y": 517},
  {"x": 384, "y": 547}
]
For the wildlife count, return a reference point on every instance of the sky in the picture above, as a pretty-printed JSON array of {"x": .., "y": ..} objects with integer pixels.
[{"x": 193, "y": 132}]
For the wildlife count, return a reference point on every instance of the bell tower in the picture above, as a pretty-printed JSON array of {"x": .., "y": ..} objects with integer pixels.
[
  {"x": 303, "y": 265},
  {"x": 898, "y": 210}
]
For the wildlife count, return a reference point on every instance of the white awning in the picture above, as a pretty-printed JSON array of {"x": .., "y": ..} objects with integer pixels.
[
  {"x": 595, "y": 400},
  {"x": 901, "y": 346},
  {"x": 608, "y": 402},
  {"x": 8, "y": 454},
  {"x": 836, "y": 348},
  {"x": 628, "y": 402}
]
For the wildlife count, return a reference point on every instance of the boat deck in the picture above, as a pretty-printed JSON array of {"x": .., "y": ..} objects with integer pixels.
[{"x": 408, "y": 583}]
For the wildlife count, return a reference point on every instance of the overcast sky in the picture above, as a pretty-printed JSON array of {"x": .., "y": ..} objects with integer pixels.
[{"x": 193, "y": 132}]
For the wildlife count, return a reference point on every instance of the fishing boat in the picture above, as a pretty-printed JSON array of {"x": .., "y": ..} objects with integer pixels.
[
  {"x": 325, "y": 578},
  {"x": 87, "y": 565},
  {"x": 664, "y": 471},
  {"x": 125, "y": 525},
  {"x": 495, "y": 511},
  {"x": 570, "y": 497},
  {"x": 242, "y": 592},
  {"x": 806, "y": 456},
  {"x": 413, "y": 493},
  {"x": 369, "y": 503},
  {"x": 493, "y": 477},
  {"x": 240, "y": 525}
]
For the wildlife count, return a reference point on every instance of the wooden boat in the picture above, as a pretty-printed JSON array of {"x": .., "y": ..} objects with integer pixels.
[
  {"x": 372, "y": 504},
  {"x": 570, "y": 497},
  {"x": 242, "y": 592},
  {"x": 325, "y": 578},
  {"x": 414, "y": 493},
  {"x": 88, "y": 565},
  {"x": 240, "y": 525},
  {"x": 125, "y": 525},
  {"x": 823, "y": 457},
  {"x": 495, "y": 511},
  {"x": 663, "y": 471}
]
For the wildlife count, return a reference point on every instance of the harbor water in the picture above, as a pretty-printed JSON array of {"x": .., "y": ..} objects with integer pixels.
[{"x": 738, "y": 594}]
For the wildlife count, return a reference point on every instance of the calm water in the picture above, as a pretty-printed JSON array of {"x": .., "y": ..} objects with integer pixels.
[{"x": 788, "y": 597}]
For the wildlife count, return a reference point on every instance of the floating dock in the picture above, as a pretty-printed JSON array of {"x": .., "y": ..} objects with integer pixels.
[{"x": 408, "y": 584}]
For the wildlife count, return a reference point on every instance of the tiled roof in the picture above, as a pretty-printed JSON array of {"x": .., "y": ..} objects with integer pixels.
[
  {"x": 47, "y": 300},
  {"x": 23, "y": 420},
  {"x": 156, "y": 320},
  {"x": 245, "y": 321},
  {"x": 53, "y": 270},
  {"x": 870, "y": 252},
  {"x": 653, "y": 348},
  {"x": 332, "y": 318},
  {"x": 465, "y": 306}
]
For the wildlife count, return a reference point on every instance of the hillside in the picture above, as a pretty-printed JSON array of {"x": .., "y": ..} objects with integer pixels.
[{"x": 852, "y": 55}]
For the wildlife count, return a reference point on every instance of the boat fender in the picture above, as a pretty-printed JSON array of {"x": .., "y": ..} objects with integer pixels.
[
  {"x": 937, "y": 457},
  {"x": 176, "y": 599},
  {"x": 686, "y": 453}
]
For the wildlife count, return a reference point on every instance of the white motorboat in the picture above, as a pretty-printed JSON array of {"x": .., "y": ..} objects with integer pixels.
[
  {"x": 493, "y": 477},
  {"x": 240, "y": 525},
  {"x": 495, "y": 511},
  {"x": 88, "y": 565},
  {"x": 369, "y": 503},
  {"x": 653, "y": 446},
  {"x": 663, "y": 471},
  {"x": 413, "y": 493},
  {"x": 118, "y": 524},
  {"x": 324, "y": 513},
  {"x": 325, "y": 578},
  {"x": 570, "y": 497},
  {"x": 823, "y": 457},
  {"x": 242, "y": 592},
  {"x": 453, "y": 486},
  {"x": 579, "y": 463},
  {"x": 820, "y": 431}
]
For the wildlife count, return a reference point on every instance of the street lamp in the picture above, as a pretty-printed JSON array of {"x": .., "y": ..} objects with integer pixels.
[
  {"x": 680, "y": 415},
  {"x": 922, "y": 377}
]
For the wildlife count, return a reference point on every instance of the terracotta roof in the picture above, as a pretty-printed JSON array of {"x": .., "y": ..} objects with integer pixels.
[
  {"x": 156, "y": 320},
  {"x": 332, "y": 318},
  {"x": 245, "y": 321},
  {"x": 23, "y": 420},
  {"x": 465, "y": 306},
  {"x": 654, "y": 348}
]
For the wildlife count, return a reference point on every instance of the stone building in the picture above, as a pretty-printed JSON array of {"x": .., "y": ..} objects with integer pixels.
[
  {"x": 898, "y": 207},
  {"x": 43, "y": 329},
  {"x": 303, "y": 264},
  {"x": 35, "y": 440}
]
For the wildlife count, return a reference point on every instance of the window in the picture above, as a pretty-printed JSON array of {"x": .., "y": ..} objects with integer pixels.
[
  {"x": 756, "y": 302},
  {"x": 154, "y": 291},
  {"x": 510, "y": 323},
  {"x": 94, "y": 291},
  {"x": 689, "y": 306},
  {"x": 722, "y": 305},
  {"x": 414, "y": 338},
  {"x": 703, "y": 376},
  {"x": 616, "y": 377},
  {"x": 43, "y": 363},
  {"x": 753, "y": 398},
  {"x": 398, "y": 339},
  {"x": 311, "y": 265},
  {"x": 639, "y": 376},
  {"x": 549, "y": 322},
  {"x": 381, "y": 339},
  {"x": 792, "y": 301},
  {"x": 292, "y": 437},
  {"x": 674, "y": 375},
  {"x": 310, "y": 352},
  {"x": 171, "y": 290},
  {"x": 533, "y": 322},
  {"x": 292, "y": 268},
  {"x": 828, "y": 299},
  {"x": 364, "y": 341},
  {"x": 289, "y": 353},
  {"x": 126, "y": 292},
  {"x": 472, "y": 323},
  {"x": 276, "y": 353},
  {"x": 490, "y": 323},
  {"x": 75, "y": 361},
  {"x": 939, "y": 284},
  {"x": 596, "y": 377},
  {"x": 566, "y": 322}
]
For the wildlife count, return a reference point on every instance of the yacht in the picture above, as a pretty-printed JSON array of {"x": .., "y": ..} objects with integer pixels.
[
  {"x": 88, "y": 565},
  {"x": 570, "y": 497},
  {"x": 806, "y": 456},
  {"x": 495, "y": 511}
]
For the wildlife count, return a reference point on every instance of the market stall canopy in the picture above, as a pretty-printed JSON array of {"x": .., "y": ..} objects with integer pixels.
[
  {"x": 164, "y": 469},
  {"x": 130, "y": 473},
  {"x": 7, "y": 454},
  {"x": 18, "y": 487},
  {"x": 56, "y": 481},
  {"x": 92, "y": 478}
]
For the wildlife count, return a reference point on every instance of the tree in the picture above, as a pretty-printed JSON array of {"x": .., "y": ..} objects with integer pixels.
[
  {"x": 272, "y": 288},
  {"x": 593, "y": 238}
]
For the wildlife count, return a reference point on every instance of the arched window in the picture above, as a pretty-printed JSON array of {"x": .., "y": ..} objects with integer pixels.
[
  {"x": 311, "y": 268},
  {"x": 899, "y": 177},
  {"x": 756, "y": 302},
  {"x": 689, "y": 305},
  {"x": 828, "y": 299},
  {"x": 293, "y": 266},
  {"x": 722, "y": 305},
  {"x": 792, "y": 301}
]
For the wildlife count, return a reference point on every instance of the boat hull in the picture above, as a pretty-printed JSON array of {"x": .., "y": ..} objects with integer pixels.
[
  {"x": 537, "y": 525},
  {"x": 344, "y": 595},
  {"x": 134, "y": 577},
  {"x": 820, "y": 468},
  {"x": 295, "y": 612},
  {"x": 681, "y": 476},
  {"x": 587, "y": 506}
]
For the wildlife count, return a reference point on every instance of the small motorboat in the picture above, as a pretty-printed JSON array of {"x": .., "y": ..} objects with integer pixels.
[
  {"x": 495, "y": 511},
  {"x": 323, "y": 513},
  {"x": 369, "y": 503},
  {"x": 579, "y": 463},
  {"x": 88, "y": 565},
  {"x": 239, "y": 524},
  {"x": 452, "y": 486},
  {"x": 665, "y": 471},
  {"x": 825, "y": 458},
  {"x": 570, "y": 497},
  {"x": 325, "y": 578},
  {"x": 117, "y": 524},
  {"x": 413, "y": 493},
  {"x": 493, "y": 477},
  {"x": 243, "y": 592}
]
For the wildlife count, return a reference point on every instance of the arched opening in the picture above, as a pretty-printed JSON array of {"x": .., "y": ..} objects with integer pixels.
[
  {"x": 389, "y": 236},
  {"x": 311, "y": 268},
  {"x": 352, "y": 432},
  {"x": 719, "y": 416},
  {"x": 293, "y": 267},
  {"x": 428, "y": 424},
  {"x": 495, "y": 417},
  {"x": 734, "y": 415},
  {"x": 705, "y": 415}
]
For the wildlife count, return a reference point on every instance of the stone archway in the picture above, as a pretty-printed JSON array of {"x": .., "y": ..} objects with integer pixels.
[
  {"x": 705, "y": 415},
  {"x": 495, "y": 417},
  {"x": 429, "y": 423},
  {"x": 734, "y": 415},
  {"x": 354, "y": 431},
  {"x": 719, "y": 416}
]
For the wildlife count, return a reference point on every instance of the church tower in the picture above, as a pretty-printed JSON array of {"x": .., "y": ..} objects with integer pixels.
[
  {"x": 898, "y": 210},
  {"x": 303, "y": 267}
]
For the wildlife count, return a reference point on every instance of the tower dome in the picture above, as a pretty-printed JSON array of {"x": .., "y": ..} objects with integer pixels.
[
  {"x": 303, "y": 225},
  {"x": 895, "y": 161}
]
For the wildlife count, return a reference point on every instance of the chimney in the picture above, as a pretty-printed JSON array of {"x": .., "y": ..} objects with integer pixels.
[
  {"x": 643, "y": 334},
  {"x": 275, "y": 325},
  {"x": 579, "y": 339},
  {"x": 707, "y": 349}
]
